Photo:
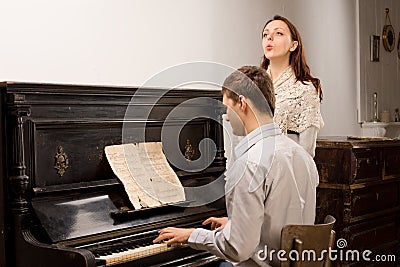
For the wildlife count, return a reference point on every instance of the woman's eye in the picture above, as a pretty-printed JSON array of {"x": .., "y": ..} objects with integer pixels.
[
  {"x": 265, "y": 35},
  {"x": 279, "y": 33}
]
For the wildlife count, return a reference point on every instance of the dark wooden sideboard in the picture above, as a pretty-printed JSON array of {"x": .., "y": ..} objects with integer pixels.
[{"x": 360, "y": 186}]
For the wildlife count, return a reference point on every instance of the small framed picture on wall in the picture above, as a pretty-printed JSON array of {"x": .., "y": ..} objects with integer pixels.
[{"x": 374, "y": 48}]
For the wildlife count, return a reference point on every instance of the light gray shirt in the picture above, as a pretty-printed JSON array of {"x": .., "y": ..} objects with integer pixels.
[{"x": 272, "y": 183}]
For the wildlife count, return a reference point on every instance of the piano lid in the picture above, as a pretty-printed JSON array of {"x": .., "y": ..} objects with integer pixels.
[
  {"x": 70, "y": 217},
  {"x": 76, "y": 216}
]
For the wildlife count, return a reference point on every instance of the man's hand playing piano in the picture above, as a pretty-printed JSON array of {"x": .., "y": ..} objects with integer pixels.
[
  {"x": 216, "y": 223},
  {"x": 174, "y": 235}
]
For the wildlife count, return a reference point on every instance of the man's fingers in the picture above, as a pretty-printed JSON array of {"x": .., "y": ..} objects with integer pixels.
[
  {"x": 215, "y": 222},
  {"x": 209, "y": 220},
  {"x": 166, "y": 230},
  {"x": 171, "y": 241},
  {"x": 162, "y": 236}
]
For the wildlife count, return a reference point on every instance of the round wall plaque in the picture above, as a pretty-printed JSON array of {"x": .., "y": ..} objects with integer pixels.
[
  {"x": 398, "y": 47},
  {"x": 388, "y": 35}
]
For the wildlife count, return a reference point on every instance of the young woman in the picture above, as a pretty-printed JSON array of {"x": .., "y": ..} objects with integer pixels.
[{"x": 298, "y": 94}]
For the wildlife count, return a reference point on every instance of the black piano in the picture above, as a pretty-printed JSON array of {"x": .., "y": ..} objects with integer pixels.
[{"x": 60, "y": 202}]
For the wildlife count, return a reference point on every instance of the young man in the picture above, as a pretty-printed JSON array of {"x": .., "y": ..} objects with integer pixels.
[{"x": 271, "y": 183}]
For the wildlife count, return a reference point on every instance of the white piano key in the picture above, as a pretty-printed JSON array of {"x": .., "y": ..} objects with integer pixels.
[{"x": 137, "y": 253}]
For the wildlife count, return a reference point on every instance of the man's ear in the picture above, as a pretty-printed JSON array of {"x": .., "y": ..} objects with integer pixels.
[
  {"x": 294, "y": 46},
  {"x": 242, "y": 102}
]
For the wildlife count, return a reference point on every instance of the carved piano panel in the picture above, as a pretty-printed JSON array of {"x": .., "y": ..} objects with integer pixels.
[{"x": 61, "y": 204}]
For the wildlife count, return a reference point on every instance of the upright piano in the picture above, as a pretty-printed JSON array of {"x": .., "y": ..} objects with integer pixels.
[{"x": 60, "y": 202}]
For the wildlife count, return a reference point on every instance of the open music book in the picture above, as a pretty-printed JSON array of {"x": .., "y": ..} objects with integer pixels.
[{"x": 145, "y": 173}]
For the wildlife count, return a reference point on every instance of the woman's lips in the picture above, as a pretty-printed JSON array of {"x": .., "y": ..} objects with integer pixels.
[{"x": 269, "y": 47}]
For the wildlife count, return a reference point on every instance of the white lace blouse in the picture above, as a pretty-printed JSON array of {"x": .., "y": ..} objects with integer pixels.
[{"x": 297, "y": 109}]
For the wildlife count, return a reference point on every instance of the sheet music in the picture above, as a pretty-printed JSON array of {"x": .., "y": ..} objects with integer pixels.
[{"x": 145, "y": 173}]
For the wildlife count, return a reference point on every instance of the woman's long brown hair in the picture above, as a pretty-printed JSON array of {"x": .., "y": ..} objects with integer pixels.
[{"x": 297, "y": 59}]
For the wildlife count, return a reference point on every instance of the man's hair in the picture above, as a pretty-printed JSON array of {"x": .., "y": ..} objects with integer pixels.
[{"x": 253, "y": 83}]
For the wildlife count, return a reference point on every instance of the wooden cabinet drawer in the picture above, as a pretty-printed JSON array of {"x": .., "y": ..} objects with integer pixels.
[
  {"x": 391, "y": 163},
  {"x": 366, "y": 165},
  {"x": 372, "y": 234},
  {"x": 375, "y": 199}
]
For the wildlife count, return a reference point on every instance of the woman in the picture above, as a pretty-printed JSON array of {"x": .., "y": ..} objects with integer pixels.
[{"x": 298, "y": 94}]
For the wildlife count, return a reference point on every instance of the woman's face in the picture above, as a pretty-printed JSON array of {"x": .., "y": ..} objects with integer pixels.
[{"x": 277, "y": 41}]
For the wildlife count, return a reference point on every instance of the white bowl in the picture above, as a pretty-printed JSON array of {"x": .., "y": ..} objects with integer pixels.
[{"x": 373, "y": 129}]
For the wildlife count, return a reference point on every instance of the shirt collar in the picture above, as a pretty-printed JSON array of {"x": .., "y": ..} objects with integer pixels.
[{"x": 256, "y": 135}]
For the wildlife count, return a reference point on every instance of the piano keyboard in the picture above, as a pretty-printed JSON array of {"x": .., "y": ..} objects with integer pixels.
[{"x": 128, "y": 254}]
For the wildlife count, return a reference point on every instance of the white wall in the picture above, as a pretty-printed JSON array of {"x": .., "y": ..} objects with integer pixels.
[
  {"x": 125, "y": 42},
  {"x": 382, "y": 77}
]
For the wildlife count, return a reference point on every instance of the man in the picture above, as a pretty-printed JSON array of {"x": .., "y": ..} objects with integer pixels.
[{"x": 271, "y": 183}]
